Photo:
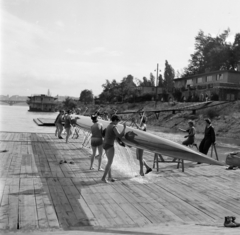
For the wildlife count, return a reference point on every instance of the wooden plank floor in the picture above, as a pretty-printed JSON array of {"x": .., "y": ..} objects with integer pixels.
[{"x": 37, "y": 193}]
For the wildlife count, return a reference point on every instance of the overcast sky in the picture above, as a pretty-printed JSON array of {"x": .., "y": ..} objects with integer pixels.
[{"x": 71, "y": 45}]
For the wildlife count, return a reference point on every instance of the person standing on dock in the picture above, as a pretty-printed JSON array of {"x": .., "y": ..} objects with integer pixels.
[
  {"x": 55, "y": 123},
  {"x": 139, "y": 152},
  {"x": 59, "y": 125},
  {"x": 191, "y": 134},
  {"x": 96, "y": 141},
  {"x": 108, "y": 145},
  {"x": 67, "y": 124},
  {"x": 209, "y": 137}
]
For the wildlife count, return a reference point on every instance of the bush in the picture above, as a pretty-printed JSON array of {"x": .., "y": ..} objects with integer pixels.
[
  {"x": 212, "y": 113},
  {"x": 215, "y": 97}
]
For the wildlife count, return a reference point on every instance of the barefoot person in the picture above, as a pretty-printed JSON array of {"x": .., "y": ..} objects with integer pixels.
[
  {"x": 96, "y": 141},
  {"x": 108, "y": 145},
  {"x": 67, "y": 125},
  {"x": 56, "y": 124},
  {"x": 139, "y": 152},
  {"x": 59, "y": 125},
  {"x": 191, "y": 134}
]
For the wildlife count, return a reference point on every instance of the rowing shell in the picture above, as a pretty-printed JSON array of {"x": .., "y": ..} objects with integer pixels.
[{"x": 147, "y": 141}]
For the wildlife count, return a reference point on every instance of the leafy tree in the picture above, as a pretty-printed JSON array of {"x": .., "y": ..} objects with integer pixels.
[
  {"x": 213, "y": 53},
  {"x": 152, "y": 80},
  {"x": 86, "y": 96},
  {"x": 126, "y": 86},
  {"x": 160, "y": 81},
  {"x": 145, "y": 82},
  {"x": 138, "y": 82},
  {"x": 169, "y": 75},
  {"x": 69, "y": 103}
]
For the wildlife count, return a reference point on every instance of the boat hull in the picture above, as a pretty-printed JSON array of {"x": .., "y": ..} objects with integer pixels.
[{"x": 147, "y": 141}]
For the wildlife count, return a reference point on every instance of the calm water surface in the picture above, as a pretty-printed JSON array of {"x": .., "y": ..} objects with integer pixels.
[{"x": 19, "y": 119}]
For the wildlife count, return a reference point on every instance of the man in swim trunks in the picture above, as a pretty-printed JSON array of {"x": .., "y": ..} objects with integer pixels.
[
  {"x": 139, "y": 152},
  {"x": 108, "y": 145},
  {"x": 58, "y": 123},
  {"x": 96, "y": 141}
]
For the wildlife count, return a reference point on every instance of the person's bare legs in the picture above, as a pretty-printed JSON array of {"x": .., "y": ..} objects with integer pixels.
[
  {"x": 139, "y": 153},
  {"x": 100, "y": 151},
  {"x": 60, "y": 129},
  {"x": 56, "y": 131},
  {"x": 149, "y": 169},
  {"x": 110, "y": 155},
  {"x": 68, "y": 131},
  {"x": 94, "y": 149}
]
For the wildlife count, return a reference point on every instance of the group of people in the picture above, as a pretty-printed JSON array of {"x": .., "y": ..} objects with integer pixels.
[
  {"x": 64, "y": 120},
  {"x": 104, "y": 140},
  {"x": 207, "y": 141}
]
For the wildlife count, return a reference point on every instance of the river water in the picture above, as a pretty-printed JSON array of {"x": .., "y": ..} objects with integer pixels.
[{"x": 19, "y": 119}]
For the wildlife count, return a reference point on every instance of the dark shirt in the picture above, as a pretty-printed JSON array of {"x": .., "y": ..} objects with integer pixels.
[
  {"x": 67, "y": 123},
  {"x": 210, "y": 134}
]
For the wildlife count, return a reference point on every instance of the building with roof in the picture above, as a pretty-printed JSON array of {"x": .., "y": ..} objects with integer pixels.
[
  {"x": 216, "y": 85},
  {"x": 42, "y": 103}
]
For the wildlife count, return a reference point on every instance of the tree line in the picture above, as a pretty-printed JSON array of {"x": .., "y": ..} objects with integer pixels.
[{"x": 210, "y": 54}]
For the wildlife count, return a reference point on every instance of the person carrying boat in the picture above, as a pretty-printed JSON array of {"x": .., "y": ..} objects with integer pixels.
[
  {"x": 111, "y": 133},
  {"x": 59, "y": 125},
  {"x": 191, "y": 134},
  {"x": 139, "y": 152},
  {"x": 67, "y": 124},
  {"x": 209, "y": 137},
  {"x": 96, "y": 141}
]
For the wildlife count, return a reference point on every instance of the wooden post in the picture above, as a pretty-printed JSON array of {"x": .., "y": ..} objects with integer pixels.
[
  {"x": 155, "y": 160},
  {"x": 180, "y": 161},
  {"x": 215, "y": 150}
]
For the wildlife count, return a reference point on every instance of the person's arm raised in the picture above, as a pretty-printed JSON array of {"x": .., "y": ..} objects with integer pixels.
[{"x": 120, "y": 135}]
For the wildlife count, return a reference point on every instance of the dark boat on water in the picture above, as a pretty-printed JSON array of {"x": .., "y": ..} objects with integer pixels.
[{"x": 42, "y": 103}]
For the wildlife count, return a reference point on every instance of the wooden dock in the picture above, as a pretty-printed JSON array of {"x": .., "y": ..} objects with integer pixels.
[{"x": 40, "y": 195}]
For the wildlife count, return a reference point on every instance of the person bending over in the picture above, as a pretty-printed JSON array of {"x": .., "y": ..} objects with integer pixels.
[
  {"x": 111, "y": 134},
  {"x": 191, "y": 134},
  {"x": 96, "y": 141},
  {"x": 139, "y": 152}
]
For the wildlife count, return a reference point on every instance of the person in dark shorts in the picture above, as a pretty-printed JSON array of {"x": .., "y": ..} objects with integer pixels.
[
  {"x": 59, "y": 125},
  {"x": 209, "y": 137},
  {"x": 191, "y": 134},
  {"x": 96, "y": 141},
  {"x": 139, "y": 152},
  {"x": 67, "y": 124},
  {"x": 111, "y": 134}
]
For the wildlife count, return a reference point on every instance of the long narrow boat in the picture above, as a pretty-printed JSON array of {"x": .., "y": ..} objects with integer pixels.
[{"x": 147, "y": 141}]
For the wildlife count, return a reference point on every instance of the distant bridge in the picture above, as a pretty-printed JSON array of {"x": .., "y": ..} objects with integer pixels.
[{"x": 12, "y": 102}]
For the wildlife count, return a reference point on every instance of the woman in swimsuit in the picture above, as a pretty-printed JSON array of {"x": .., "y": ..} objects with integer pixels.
[
  {"x": 139, "y": 152},
  {"x": 96, "y": 141},
  {"x": 67, "y": 124},
  {"x": 108, "y": 145}
]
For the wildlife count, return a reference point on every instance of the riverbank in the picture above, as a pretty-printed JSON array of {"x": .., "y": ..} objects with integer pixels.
[{"x": 225, "y": 117}]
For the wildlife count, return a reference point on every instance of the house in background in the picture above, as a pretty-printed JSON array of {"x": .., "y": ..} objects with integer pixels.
[
  {"x": 152, "y": 90},
  {"x": 42, "y": 103},
  {"x": 217, "y": 85}
]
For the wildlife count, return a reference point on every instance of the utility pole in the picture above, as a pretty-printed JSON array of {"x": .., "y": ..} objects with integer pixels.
[
  {"x": 156, "y": 85},
  {"x": 156, "y": 82}
]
